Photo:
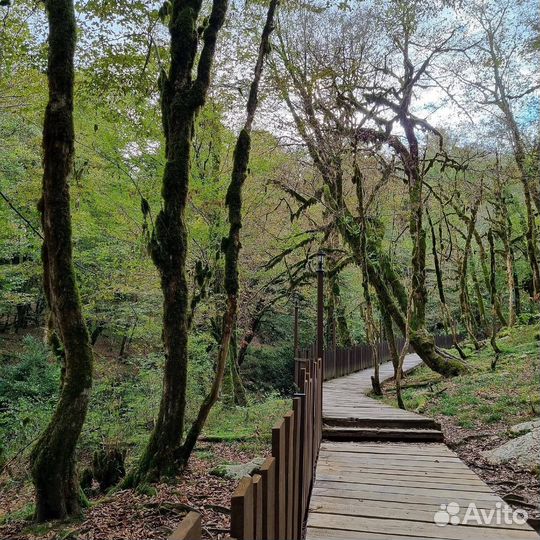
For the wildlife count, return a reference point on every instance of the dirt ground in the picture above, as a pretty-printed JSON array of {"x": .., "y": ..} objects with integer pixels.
[
  {"x": 518, "y": 487},
  {"x": 128, "y": 515}
]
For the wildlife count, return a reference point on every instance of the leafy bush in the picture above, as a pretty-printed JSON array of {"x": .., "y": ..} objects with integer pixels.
[
  {"x": 529, "y": 318},
  {"x": 29, "y": 384},
  {"x": 30, "y": 375},
  {"x": 269, "y": 369}
]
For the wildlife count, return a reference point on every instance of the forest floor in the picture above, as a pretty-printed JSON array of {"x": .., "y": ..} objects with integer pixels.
[
  {"x": 477, "y": 409},
  {"x": 150, "y": 513},
  {"x": 124, "y": 402}
]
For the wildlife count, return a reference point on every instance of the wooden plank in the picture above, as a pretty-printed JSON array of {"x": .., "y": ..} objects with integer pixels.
[
  {"x": 380, "y": 461},
  {"x": 189, "y": 528},
  {"x": 406, "y": 511},
  {"x": 426, "y": 449},
  {"x": 316, "y": 533},
  {"x": 337, "y": 474},
  {"x": 258, "y": 507},
  {"x": 375, "y": 495},
  {"x": 427, "y": 473},
  {"x": 289, "y": 472},
  {"x": 394, "y": 447},
  {"x": 426, "y": 465},
  {"x": 268, "y": 474},
  {"x": 397, "y": 460},
  {"x": 297, "y": 491},
  {"x": 278, "y": 451},
  {"x": 429, "y": 530},
  {"x": 242, "y": 510},
  {"x": 449, "y": 494}
]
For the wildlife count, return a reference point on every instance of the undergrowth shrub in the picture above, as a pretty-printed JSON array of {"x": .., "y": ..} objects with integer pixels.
[{"x": 269, "y": 369}]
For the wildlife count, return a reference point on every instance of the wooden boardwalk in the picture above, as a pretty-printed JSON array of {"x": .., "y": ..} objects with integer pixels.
[
  {"x": 348, "y": 414},
  {"x": 382, "y": 490}
]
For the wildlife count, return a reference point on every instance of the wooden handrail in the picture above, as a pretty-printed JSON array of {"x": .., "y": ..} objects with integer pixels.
[
  {"x": 272, "y": 504},
  {"x": 189, "y": 528}
]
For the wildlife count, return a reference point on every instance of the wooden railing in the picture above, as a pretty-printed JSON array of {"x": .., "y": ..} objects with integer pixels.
[
  {"x": 189, "y": 528},
  {"x": 272, "y": 504},
  {"x": 339, "y": 362}
]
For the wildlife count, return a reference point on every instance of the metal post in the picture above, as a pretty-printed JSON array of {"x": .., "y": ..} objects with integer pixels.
[
  {"x": 320, "y": 305},
  {"x": 334, "y": 333},
  {"x": 295, "y": 327}
]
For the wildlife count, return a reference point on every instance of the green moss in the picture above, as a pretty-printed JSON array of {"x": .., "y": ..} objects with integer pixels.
[
  {"x": 25, "y": 513},
  {"x": 205, "y": 455},
  {"x": 247, "y": 424},
  {"x": 146, "y": 489}
]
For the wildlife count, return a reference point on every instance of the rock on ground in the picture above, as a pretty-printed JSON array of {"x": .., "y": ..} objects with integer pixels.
[
  {"x": 236, "y": 471},
  {"x": 525, "y": 427},
  {"x": 524, "y": 450}
]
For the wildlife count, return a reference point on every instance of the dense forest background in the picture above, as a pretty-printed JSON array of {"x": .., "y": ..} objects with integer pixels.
[{"x": 399, "y": 137}]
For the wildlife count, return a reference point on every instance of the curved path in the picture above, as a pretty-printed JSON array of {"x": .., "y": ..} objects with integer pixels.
[
  {"x": 382, "y": 490},
  {"x": 348, "y": 414}
]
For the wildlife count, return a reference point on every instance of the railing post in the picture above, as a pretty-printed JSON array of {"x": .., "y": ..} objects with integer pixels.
[
  {"x": 295, "y": 326},
  {"x": 320, "y": 305}
]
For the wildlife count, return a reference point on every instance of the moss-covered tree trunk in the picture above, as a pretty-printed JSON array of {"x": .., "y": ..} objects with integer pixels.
[
  {"x": 486, "y": 274},
  {"x": 233, "y": 392},
  {"x": 338, "y": 328},
  {"x": 419, "y": 338},
  {"x": 503, "y": 229},
  {"x": 478, "y": 293},
  {"x": 390, "y": 338},
  {"x": 53, "y": 457},
  {"x": 493, "y": 292},
  {"x": 182, "y": 96},
  {"x": 447, "y": 316},
  {"x": 511, "y": 284},
  {"x": 231, "y": 245},
  {"x": 464, "y": 300},
  {"x": 368, "y": 318},
  {"x": 421, "y": 341},
  {"x": 484, "y": 264}
]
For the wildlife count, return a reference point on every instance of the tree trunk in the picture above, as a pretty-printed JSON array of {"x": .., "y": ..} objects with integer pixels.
[
  {"x": 511, "y": 286},
  {"x": 447, "y": 316},
  {"x": 231, "y": 245},
  {"x": 53, "y": 457},
  {"x": 341, "y": 326},
  {"x": 486, "y": 274},
  {"x": 463, "y": 268},
  {"x": 493, "y": 293},
  {"x": 240, "y": 396},
  {"x": 520, "y": 155},
  {"x": 181, "y": 99},
  {"x": 482, "y": 319},
  {"x": 504, "y": 231},
  {"x": 370, "y": 323},
  {"x": 390, "y": 338}
]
